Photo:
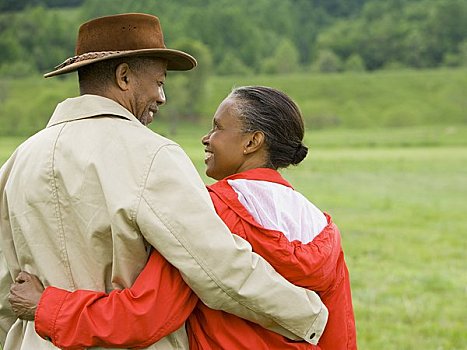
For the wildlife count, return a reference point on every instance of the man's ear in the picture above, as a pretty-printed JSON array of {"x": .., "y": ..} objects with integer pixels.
[
  {"x": 255, "y": 142},
  {"x": 122, "y": 76}
]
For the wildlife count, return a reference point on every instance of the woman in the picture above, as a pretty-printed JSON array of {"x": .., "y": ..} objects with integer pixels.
[{"x": 256, "y": 130}]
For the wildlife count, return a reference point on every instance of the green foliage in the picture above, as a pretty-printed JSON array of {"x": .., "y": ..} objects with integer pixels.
[
  {"x": 231, "y": 64},
  {"x": 463, "y": 53},
  {"x": 327, "y": 62},
  {"x": 187, "y": 89},
  {"x": 458, "y": 59},
  {"x": 354, "y": 63},
  {"x": 35, "y": 39},
  {"x": 284, "y": 60},
  {"x": 414, "y": 33},
  {"x": 17, "y": 69},
  {"x": 18, "y": 5},
  {"x": 246, "y": 37}
]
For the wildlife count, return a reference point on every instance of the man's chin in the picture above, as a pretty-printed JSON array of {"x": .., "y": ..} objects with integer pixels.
[
  {"x": 146, "y": 119},
  {"x": 150, "y": 117}
]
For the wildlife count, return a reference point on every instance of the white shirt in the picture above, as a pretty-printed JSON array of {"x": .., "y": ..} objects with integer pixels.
[{"x": 278, "y": 207}]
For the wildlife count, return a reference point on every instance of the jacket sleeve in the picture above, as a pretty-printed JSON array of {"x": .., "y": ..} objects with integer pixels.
[
  {"x": 156, "y": 305},
  {"x": 7, "y": 317},
  {"x": 311, "y": 265},
  {"x": 7, "y": 253},
  {"x": 177, "y": 217}
]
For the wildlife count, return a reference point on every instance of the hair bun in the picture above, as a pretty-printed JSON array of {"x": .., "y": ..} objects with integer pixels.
[{"x": 300, "y": 153}]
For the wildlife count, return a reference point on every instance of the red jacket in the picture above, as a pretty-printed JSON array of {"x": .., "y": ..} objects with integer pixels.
[{"x": 159, "y": 301}]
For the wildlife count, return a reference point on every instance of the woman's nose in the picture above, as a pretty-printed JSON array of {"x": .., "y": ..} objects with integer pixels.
[{"x": 205, "y": 139}]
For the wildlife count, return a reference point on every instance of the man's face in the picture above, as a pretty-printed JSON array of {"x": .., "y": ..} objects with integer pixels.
[{"x": 147, "y": 92}]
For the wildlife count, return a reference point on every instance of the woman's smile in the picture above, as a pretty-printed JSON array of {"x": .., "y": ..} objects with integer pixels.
[{"x": 207, "y": 156}]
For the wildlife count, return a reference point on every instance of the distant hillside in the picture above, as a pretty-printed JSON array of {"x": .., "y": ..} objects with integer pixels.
[
  {"x": 345, "y": 100},
  {"x": 361, "y": 100}
]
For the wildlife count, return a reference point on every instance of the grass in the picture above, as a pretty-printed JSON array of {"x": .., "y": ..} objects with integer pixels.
[{"x": 399, "y": 198}]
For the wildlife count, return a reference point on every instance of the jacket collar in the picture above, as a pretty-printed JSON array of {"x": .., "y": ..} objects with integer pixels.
[
  {"x": 261, "y": 174},
  {"x": 88, "y": 106}
]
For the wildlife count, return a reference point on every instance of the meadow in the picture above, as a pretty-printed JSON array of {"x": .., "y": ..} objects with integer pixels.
[{"x": 399, "y": 196}]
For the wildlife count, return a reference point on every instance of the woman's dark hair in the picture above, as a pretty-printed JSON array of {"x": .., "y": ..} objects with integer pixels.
[{"x": 278, "y": 117}]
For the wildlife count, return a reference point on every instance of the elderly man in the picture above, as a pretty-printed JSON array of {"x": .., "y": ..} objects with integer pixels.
[{"x": 83, "y": 199}]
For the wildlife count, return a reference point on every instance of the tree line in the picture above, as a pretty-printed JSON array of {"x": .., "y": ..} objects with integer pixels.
[{"x": 251, "y": 37}]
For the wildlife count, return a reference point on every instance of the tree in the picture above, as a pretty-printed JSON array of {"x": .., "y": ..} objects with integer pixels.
[
  {"x": 18, "y": 5},
  {"x": 327, "y": 62},
  {"x": 354, "y": 63},
  {"x": 463, "y": 53},
  {"x": 285, "y": 59},
  {"x": 232, "y": 64},
  {"x": 188, "y": 89},
  {"x": 245, "y": 36},
  {"x": 36, "y": 38}
]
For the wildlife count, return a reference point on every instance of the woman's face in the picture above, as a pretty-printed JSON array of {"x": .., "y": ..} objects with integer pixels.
[{"x": 225, "y": 143}]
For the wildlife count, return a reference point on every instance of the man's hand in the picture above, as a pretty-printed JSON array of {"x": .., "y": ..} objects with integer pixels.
[{"x": 25, "y": 294}]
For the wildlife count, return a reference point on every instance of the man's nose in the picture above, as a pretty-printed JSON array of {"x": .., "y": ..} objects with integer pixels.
[{"x": 161, "y": 96}]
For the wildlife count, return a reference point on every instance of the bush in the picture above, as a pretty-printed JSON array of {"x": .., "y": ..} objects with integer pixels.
[
  {"x": 17, "y": 69},
  {"x": 285, "y": 59},
  {"x": 233, "y": 65},
  {"x": 327, "y": 62},
  {"x": 354, "y": 63}
]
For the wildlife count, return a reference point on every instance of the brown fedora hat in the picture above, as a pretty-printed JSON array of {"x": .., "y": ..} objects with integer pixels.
[{"x": 130, "y": 34}]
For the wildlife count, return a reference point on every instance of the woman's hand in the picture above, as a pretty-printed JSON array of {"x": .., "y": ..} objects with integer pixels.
[{"x": 25, "y": 294}]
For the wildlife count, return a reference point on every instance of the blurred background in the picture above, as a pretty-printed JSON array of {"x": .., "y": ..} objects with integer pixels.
[{"x": 382, "y": 85}]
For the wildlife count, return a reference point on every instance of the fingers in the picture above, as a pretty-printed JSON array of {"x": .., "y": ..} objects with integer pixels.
[
  {"x": 16, "y": 289},
  {"x": 23, "y": 276},
  {"x": 25, "y": 295}
]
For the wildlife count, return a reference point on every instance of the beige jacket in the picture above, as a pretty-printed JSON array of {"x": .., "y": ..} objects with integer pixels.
[{"x": 82, "y": 199}]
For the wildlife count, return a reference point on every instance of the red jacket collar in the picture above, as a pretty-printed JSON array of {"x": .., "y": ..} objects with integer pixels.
[
  {"x": 227, "y": 194},
  {"x": 260, "y": 174}
]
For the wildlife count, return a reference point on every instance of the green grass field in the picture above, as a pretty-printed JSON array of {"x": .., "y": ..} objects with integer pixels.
[{"x": 399, "y": 197}]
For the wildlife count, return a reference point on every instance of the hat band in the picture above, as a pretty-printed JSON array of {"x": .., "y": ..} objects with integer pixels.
[{"x": 88, "y": 56}]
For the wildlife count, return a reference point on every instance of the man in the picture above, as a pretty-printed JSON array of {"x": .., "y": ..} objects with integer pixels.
[{"x": 83, "y": 199}]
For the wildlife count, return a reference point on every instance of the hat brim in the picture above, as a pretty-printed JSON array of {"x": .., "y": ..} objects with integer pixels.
[{"x": 177, "y": 60}]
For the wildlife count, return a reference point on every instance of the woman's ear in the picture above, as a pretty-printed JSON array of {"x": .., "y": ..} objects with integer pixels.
[
  {"x": 255, "y": 142},
  {"x": 122, "y": 73}
]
